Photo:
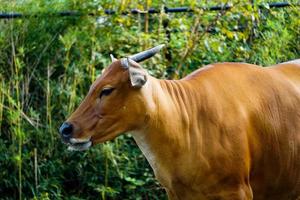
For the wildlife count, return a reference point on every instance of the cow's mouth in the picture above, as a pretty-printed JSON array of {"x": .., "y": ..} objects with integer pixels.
[{"x": 79, "y": 144}]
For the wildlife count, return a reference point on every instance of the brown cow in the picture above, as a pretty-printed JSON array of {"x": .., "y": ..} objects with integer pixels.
[{"x": 227, "y": 131}]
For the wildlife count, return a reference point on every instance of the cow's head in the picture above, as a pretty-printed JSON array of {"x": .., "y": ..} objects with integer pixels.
[{"x": 114, "y": 104}]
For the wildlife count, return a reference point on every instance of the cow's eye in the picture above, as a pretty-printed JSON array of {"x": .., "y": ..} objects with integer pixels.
[{"x": 106, "y": 92}]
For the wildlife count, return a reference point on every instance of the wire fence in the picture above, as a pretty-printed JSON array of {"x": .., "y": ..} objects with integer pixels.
[{"x": 14, "y": 15}]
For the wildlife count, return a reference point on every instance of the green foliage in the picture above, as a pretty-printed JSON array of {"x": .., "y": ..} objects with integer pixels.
[{"x": 47, "y": 64}]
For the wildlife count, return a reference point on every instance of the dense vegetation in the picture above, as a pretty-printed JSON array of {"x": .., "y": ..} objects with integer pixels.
[{"x": 47, "y": 64}]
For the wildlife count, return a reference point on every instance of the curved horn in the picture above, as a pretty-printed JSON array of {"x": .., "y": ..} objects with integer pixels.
[{"x": 139, "y": 57}]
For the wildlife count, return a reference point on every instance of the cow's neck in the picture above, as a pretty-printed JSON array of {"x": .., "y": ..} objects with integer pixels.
[{"x": 169, "y": 129}]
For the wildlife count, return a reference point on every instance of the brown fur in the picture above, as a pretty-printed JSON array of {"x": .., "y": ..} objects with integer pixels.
[{"x": 227, "y": 131}]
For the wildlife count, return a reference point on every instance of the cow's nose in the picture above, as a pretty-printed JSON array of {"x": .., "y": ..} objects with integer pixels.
[{"x": 66, "y": 130}]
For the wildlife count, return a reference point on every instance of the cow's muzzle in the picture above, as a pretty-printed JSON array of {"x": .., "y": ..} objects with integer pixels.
[{"x": 75, "y": 144}]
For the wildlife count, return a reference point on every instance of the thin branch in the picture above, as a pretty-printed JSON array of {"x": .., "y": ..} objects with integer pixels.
[{"x": 195, "y": 37}]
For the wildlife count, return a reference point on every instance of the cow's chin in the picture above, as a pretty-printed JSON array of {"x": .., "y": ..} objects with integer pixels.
[{"x": 77, "y": 144}]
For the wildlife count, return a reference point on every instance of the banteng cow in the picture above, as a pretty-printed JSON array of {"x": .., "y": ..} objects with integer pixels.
[{"x": 227, "y": 131}]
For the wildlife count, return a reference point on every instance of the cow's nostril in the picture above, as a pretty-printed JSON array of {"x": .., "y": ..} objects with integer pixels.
[{"x": 66, "y": 130}]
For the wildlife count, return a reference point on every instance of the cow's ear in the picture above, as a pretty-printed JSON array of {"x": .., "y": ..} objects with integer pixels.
[{"x": 137, "y": 75}]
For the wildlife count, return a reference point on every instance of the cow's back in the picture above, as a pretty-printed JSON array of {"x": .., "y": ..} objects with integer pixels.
[{"x": 291, "y": 70}]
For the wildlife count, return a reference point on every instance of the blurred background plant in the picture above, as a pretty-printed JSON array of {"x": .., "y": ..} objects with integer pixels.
[{"x": 47, "y": 64}]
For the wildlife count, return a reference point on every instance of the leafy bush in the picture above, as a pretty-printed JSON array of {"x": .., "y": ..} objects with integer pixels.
[{"x": 47, "y": 64}]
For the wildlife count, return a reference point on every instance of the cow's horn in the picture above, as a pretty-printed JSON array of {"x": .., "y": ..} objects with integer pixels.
[
  {"x": 112, "y": 58},
  {"x": 139, "y": 57}
]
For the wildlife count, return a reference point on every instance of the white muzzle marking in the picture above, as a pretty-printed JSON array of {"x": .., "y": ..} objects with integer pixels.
[{"x": 79, "y": 144}]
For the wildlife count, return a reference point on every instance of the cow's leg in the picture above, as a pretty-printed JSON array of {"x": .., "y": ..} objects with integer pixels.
[
  {"x": 227, "y": 190},
  {"x": 242, "y": 192}
]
